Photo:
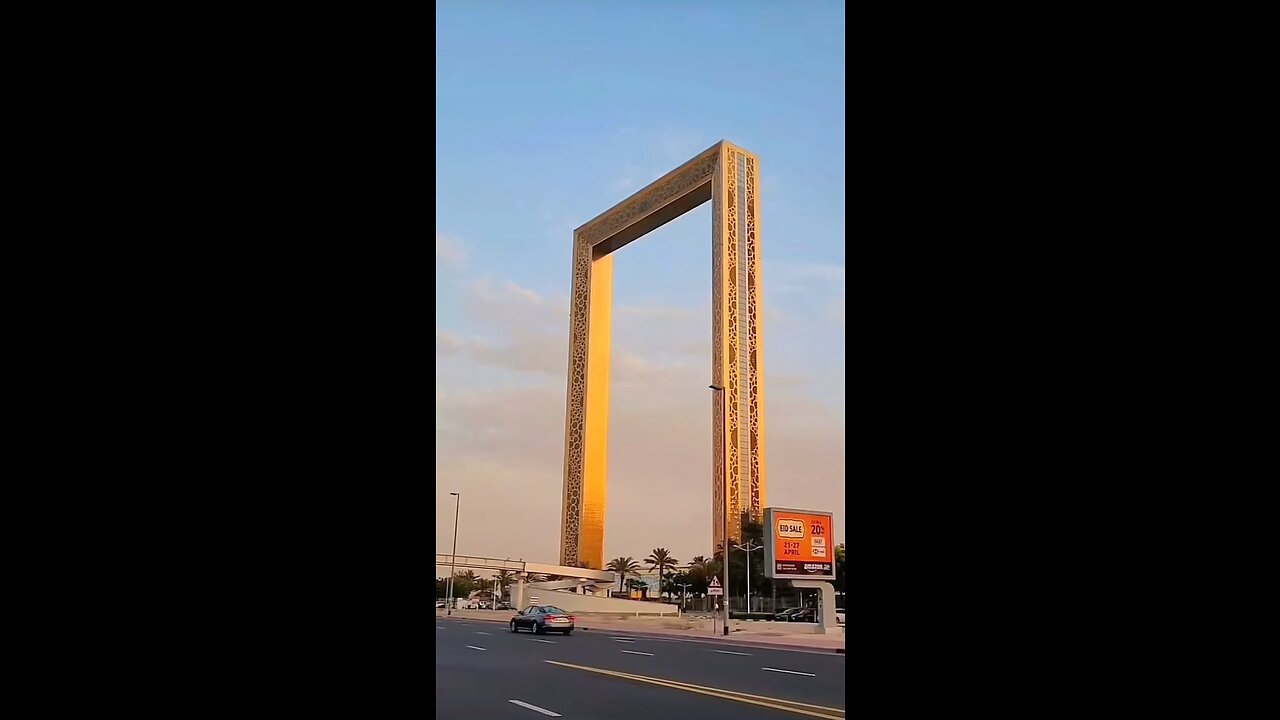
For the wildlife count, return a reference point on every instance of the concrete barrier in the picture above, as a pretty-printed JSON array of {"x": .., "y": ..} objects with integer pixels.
[{"x": 573, "y": 602}]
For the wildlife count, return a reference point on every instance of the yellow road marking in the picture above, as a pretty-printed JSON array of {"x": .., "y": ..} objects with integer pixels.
[
  {"x": 715, "y": 692},
  {"x": 742, "y": 694}
]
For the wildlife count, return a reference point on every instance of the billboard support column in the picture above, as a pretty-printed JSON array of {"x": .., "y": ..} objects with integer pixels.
[
  {"x": 826, "y": 603},
  {"x": 517, "y": 597}
]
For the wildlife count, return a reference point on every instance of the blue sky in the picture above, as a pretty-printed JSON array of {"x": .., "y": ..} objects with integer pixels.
[{"x": 548, "y": 113}]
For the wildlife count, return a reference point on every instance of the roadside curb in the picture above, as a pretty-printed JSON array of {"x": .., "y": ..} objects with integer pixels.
[
  {"x": 681, "y": 638},
  {"x": 730, "y": 640}
]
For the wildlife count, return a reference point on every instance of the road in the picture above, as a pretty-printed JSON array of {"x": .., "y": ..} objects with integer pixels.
[{"x": 482, "y": 670}]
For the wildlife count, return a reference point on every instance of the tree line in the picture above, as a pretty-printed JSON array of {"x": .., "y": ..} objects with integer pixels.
[{"x": 695, "y": 580}]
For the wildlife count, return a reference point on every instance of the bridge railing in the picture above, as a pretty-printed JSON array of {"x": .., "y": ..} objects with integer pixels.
[{"x": 484, "y": 563}]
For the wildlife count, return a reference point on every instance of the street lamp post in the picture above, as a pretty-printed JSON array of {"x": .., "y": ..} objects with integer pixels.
[
  {"x": 725, "y": 598},
  {"x": 748, "y": 549},
  {"x": 684, "y": 591},
  {"x": 453, "y": 557}
]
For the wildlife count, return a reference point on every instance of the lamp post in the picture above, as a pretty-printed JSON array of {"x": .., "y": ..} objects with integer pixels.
[
  {"x": 453, "y": 557},
  {"x": 684, "y": 591},
  {"x": 748, "y": 549},
  {"x": 725, "y": 599}
]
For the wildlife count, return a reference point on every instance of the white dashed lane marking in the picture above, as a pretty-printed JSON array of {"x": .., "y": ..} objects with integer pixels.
[
  {"x": 473, "y": 647},
  {"x": 730, "y": 652},
  {"x": 789, "y": 672},
  {"x": 633, "y": 652},
  {"x": 534, "y": 708},
  {"x": 549, "y": 642}
]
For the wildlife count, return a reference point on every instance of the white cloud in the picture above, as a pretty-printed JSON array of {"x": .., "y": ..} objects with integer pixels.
[
  {"x": 500, "y": 406},
  {"x": 447, "y": 342},
  {"x": 525, "y": 353},
  {"x": 449, "y": 252},
  {"x": 513, "y": 307},
  {"x": 505, "y": 448}
]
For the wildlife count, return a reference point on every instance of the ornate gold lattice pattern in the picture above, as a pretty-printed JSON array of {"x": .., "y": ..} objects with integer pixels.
[{"x": 737, "y": 410}]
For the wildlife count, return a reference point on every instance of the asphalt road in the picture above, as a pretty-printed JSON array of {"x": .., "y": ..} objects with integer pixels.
[{"x": 481, "y": 668}]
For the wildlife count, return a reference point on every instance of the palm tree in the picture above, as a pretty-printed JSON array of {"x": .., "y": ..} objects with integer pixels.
[
  {"x": 623, "y": 566},
  {"x": 464, "y": 581},
  {"x": 662, "y": 560},
  {"x": 840, "y": 568},
  {"x": 504, "y": 579}
]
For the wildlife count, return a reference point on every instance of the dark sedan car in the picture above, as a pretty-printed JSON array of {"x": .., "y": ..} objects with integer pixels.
[
  {"x": 809, "y": 615},
  {"x": 541, "y": 619},
  {"x": 785, "y": 615}
]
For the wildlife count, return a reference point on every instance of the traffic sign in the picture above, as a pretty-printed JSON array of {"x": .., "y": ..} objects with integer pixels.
[{"x": 714, "y": 588}]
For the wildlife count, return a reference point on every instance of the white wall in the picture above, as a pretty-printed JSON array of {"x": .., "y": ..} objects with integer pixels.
[{"x": 574, "y": 602}]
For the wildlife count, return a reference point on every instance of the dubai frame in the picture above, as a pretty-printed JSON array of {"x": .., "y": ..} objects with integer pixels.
[{"x": 728, "y": 176}]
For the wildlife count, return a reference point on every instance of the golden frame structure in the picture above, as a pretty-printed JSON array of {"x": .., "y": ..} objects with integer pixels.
[{"x": 728, "y": 176}]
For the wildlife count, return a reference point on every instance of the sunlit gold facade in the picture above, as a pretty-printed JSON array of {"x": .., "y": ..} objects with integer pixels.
[{"x": 728, "y": 176}]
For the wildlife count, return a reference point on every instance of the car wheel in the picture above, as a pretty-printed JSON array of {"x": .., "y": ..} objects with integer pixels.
[
  {"x": 539, "y": 629},
  {"x": 513, "y": 626},
  {"x": 568, "y": 633}
]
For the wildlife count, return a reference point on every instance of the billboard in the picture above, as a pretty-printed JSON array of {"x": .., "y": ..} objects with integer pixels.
[{"x": 798, "y": 545}]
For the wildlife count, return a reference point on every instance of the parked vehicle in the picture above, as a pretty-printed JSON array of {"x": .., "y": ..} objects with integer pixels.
[
  {"x": 541, "y": 619},
  {"x": 785, "y": 615},
  {"x": 440, "y": 604},
  {"x": 839, "y": 616},
  {"x": 804, "y": 615}
]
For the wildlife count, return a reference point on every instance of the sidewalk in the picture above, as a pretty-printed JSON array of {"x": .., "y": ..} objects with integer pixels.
[{"x": 742, "y": 633}]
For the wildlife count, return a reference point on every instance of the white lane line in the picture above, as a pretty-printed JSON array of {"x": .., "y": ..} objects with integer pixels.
[
  {"x": 481, "y": 632},
  {"x": 438, "y": 627},
  {"x": 534, "y": 708},
  {"x": 730, "y": 652},
  {"x": 621, "y": 640},
  {"x": 789, "y": 672},
  {"x": 549, "y": 642},
  {"x": 633, "y": 652},
  {"x": 473, "y": 647}
]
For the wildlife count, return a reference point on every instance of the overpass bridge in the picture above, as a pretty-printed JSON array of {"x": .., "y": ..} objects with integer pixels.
[
  {"x": 564, "y": 597},
  {"x": 604, "y": 577}
]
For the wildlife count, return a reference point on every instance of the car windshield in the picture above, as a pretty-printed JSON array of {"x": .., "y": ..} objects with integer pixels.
[{"x": 553, "y": 610}]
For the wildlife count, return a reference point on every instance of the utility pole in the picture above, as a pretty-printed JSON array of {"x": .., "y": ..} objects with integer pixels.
[
  {"x": 748, "y": 549},
  {"x": 453, "y": 558}
]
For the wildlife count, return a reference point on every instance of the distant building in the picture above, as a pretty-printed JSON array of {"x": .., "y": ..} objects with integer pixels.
[{"x": 649, "y": 576}]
